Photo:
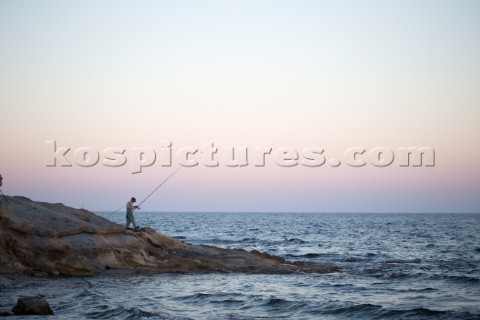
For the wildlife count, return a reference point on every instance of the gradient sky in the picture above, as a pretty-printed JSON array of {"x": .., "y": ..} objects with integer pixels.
[{"x": 328, "y": 74}]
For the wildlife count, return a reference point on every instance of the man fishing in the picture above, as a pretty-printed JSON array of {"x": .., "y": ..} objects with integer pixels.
[
  {"x": 130, "y": 216},
  {"x": 131, "y": 207}
]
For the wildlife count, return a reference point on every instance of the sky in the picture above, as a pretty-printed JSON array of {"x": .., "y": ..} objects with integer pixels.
[{"x": 178, "y": 76}]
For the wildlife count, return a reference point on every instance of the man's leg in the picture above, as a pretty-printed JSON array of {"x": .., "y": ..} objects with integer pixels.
[
  {"x": 131, "y": 218},
  {"x": 133, "y": 221},
  {"x": 128, "y": 221}
]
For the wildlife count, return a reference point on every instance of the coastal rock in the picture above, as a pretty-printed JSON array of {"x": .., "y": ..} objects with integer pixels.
[
  {"x": 32, "y": 306},
  {"x": 38, "y": 238},
  {"x": 1, "y": 182}
]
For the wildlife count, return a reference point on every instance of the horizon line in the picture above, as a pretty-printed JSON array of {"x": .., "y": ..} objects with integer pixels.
[{"x": 308, "y": 212}]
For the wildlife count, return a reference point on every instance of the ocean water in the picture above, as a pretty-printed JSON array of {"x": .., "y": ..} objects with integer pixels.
[{"x": 394, "y": 266}]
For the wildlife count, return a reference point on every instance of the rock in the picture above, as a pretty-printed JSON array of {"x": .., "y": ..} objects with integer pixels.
[
  {"x": 5, "y": 314},
  {"x": 38, "y": 238},
  {"x": 1, "y": 179},
  {"x": 32, "y": 306}
]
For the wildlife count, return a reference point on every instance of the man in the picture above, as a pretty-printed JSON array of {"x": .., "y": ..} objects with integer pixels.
[{"x": 130, "y": 217}]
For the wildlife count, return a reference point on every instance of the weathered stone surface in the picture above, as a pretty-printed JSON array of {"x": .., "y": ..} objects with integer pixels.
[
  {"x": 32, "y": 306},
  {"x": 39, "y": 239}
]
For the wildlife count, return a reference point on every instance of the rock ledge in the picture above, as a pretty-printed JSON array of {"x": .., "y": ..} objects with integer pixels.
[{"x": 38, "y": 238}]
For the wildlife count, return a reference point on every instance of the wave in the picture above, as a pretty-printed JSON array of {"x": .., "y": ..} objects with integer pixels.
[
  {"x": 429, "y": 313},
  {"x": 401, "y": 261},
  {"x": 275, "y": 304},
  {"x": 413, "y": 313},
  {"x": 352, "y": 259},
  {"x": 296, "y": 241},
  {"x": 352, "y": 311},
  {"x": 229, "y": 240},
  {"x": 396, "y": 275},
  {"x": 122, "y": 313},
  {"x": 464, "y": 279},
  {"x": 196, "y": 296},
  {"x": 373, "y": 311},
  {"x": 217, "y": 298},
  {"x": 309, "y": 255}
]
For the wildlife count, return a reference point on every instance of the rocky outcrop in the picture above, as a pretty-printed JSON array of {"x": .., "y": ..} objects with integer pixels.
[
  {"x": 32, "y": 306},
  {"x": 38, "y": 238}
]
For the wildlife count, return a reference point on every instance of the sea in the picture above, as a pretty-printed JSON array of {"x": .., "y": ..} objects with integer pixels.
[{"x": 393, "y": 266}]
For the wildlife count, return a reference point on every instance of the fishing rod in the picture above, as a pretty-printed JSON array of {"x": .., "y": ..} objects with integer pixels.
[{"x": 159, "y": 186}]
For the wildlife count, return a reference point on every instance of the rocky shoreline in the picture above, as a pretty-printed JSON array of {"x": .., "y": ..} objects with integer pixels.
[{"x": 45, "y": 239}]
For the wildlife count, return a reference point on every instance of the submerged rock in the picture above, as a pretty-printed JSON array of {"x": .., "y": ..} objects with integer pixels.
[
  {"x": 38, "y": 238},
  {"x": 32, "y": 306}
]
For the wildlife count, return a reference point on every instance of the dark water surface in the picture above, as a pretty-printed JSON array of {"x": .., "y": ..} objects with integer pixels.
[{"x": 395, "y": 266}]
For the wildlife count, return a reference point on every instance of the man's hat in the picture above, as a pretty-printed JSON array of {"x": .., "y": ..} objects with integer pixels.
[{"x": 133, "y": 199}]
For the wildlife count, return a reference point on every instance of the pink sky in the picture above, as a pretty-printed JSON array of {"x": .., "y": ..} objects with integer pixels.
[{"x": 266, "y": 74}]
